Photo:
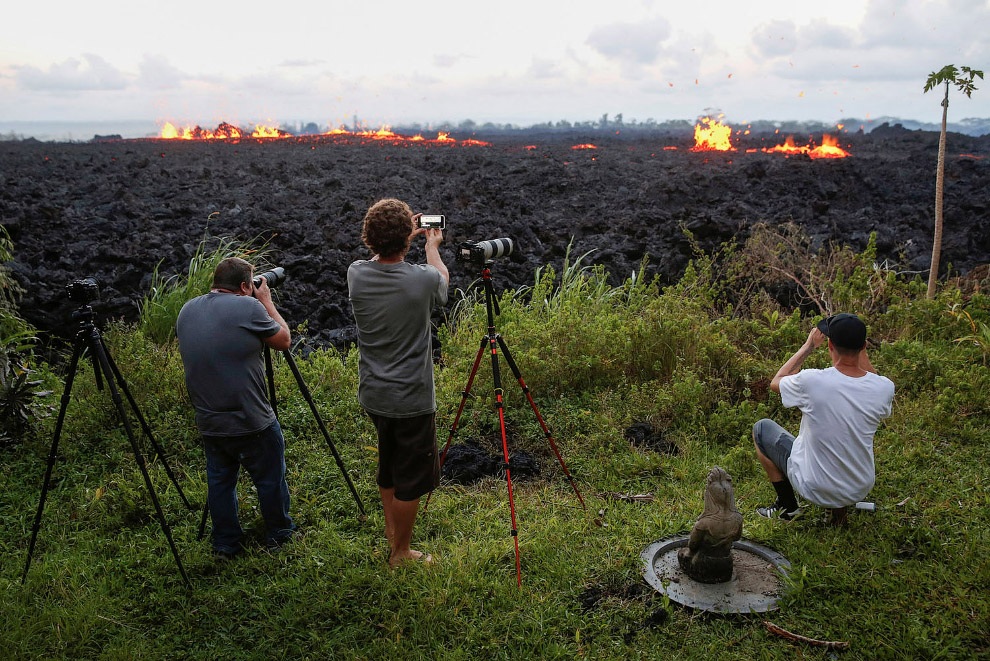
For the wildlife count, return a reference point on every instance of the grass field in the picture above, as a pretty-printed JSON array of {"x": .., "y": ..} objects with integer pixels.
[{"x": 907, "y": 581}]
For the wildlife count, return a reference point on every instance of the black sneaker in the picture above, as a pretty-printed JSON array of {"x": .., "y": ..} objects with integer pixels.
[
  {"x": 778, "y": 511},
  {"x": 274, "y": 546},
  {"x": 223, "y": 557}
]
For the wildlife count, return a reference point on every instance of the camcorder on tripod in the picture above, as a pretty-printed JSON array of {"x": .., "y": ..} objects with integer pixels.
[{"x": 481, "y": 254}]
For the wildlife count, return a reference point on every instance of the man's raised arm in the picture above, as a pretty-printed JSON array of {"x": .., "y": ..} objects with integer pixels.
[{"x": 793, "y": 364}]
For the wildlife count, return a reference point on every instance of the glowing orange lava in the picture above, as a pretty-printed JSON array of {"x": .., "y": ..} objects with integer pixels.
[
  {"x": 713, "y": 136},
  {"x": 262, "y": 131},
  {"x": 828, "y": 149},
  {"x": 226, "y": 131},
  {"x": 584, "y": 146},
  {"x": 789, "y": 147}
]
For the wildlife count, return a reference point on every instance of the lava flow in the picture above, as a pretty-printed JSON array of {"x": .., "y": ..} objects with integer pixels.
[
  {"x": 713, "y": 136},
  {"x": 828, "y": 149},
  {"x": 227, "y": 131}
]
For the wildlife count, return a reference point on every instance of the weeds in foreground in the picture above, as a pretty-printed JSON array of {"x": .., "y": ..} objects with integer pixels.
[
  {"x": 160, "y": 307},
  {"x": 907, "y": 581}
]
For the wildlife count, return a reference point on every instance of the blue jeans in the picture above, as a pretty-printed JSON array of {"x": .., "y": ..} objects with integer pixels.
[{"x": 263, "y": 456}]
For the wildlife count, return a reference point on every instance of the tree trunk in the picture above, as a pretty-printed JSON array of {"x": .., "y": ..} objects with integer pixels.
[{"x": 939, "y": 186}]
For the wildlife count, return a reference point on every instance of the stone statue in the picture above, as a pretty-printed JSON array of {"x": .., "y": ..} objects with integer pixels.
[{"x": 708, "y": 556}]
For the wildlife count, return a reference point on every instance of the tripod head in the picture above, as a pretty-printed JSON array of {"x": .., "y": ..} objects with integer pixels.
[
  {"x": 84, "y": 315},
  {"x": 86, "y": 332},
  {"x": 491, "y": 300}
]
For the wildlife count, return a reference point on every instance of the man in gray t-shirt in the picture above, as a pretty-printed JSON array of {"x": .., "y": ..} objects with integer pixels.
[
  {"x": 221, "y": 336},
  {"x": 392, "y": 301}
]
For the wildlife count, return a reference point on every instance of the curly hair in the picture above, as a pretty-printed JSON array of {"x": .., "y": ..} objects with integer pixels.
[{"x": 388, "y": 228}]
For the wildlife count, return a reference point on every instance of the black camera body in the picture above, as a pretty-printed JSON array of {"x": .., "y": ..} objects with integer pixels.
[
  {"x": 480, "y": 253},
  {"x": 274, "y": 277},
  {"x": 84, "y": 290}
]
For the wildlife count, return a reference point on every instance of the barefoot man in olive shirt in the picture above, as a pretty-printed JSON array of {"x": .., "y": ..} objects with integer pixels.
[{"x": 392, "y": 301}]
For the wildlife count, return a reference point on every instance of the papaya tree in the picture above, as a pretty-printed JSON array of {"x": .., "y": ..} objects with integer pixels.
[{"x": 962, "y": 78}]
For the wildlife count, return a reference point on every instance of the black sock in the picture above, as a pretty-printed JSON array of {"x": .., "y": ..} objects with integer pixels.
[{"x": 785, "y": 495}]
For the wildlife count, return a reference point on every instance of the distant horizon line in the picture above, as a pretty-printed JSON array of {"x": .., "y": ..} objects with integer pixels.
[{"x": 146, "y": 128}]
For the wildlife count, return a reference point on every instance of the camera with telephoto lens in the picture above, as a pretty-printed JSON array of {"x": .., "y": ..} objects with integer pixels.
[
  {"x": 84, "y": 290},
  {"x": 482, "y": 252},
  {"x": 275, "y": 277}
]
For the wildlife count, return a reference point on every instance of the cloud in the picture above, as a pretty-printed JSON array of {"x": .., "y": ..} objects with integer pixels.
[
  {"x": 775, "y": 38},
  {"x": 72, "y": 75},
  {"x": 446, "y": 60},
  {"x": 631, "y": 43},
  {"x": 822, "y": 34},
  {"x": 542, "y": 68},
  {"x": 271, "y": 83},
  {"x": 897, "y": 40},
  {"x": 154, "y": 71}
]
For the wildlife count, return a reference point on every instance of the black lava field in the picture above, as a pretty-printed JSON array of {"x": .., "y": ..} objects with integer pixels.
[{"x": 115, "y": 210}]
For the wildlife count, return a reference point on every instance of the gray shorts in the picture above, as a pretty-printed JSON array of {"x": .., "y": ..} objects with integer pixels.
[{"x": 774, "y": 442}]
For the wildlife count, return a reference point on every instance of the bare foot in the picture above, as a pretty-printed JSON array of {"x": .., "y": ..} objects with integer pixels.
[{"x": 414, "y": 556}]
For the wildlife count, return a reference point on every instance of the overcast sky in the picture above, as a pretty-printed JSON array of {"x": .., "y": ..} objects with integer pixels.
[{"x": 514, "y": 61}]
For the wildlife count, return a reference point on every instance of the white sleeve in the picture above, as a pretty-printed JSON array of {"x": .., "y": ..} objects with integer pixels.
[{"x": 793, "y": 392}]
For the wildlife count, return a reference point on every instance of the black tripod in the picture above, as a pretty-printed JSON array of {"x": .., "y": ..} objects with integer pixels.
[
  {"x": 88, "y": 338},
  {"x": 493, "y": 341},
  {"x": 270, "y": 372}
]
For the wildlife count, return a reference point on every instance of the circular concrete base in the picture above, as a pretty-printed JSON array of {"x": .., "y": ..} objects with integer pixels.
[{"x": 754, "y": 587}]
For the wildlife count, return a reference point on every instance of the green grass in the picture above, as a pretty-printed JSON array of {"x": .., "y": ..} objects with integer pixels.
[{"x": 908, "y": 581}]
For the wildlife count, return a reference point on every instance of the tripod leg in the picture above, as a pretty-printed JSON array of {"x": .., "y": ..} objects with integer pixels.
[
  {"x": 543, "y": 425},
  {"x": 505, "y": 447},
  {"x": 202, "y": 521},
  {"x": 460, "y": 409},
  {"x": 52, "y": 454},
  {"x": 159, "y": 452},
  {"x": 319, "y": 421},
  {"x": 96, "y": 347}
]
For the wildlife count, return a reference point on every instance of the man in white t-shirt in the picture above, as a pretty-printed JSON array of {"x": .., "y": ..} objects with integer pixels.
[{"x": 830, "y": 463}]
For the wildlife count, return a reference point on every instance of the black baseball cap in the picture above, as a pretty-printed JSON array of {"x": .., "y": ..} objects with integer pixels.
[{"x": 845, "y": 330}]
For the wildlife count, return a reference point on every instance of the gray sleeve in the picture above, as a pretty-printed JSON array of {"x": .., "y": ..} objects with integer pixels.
[
  {"x": 440, "y": 295},
  {"x": 438, "y": 285},
  {"x": 258, "y": 321}
]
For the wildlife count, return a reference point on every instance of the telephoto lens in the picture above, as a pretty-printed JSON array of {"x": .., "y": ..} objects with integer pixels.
[
  {"x": 482, "y": 252},
  {"x": 495, "y": 248},
  {"x": 275, "y": 277}
]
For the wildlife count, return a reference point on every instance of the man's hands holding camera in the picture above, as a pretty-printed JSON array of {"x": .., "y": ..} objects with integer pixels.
[
  {"x": 263, "y": 293},
  {"x": 434, "y": 237}
]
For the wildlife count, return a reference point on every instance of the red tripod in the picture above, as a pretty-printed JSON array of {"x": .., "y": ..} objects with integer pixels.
[{"x": 493, "y": 341}]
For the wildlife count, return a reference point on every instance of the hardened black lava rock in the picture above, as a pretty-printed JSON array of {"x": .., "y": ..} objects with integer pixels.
[
  {"x": 117, "y": 209},
  {"x": 468, "y": 462}
]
